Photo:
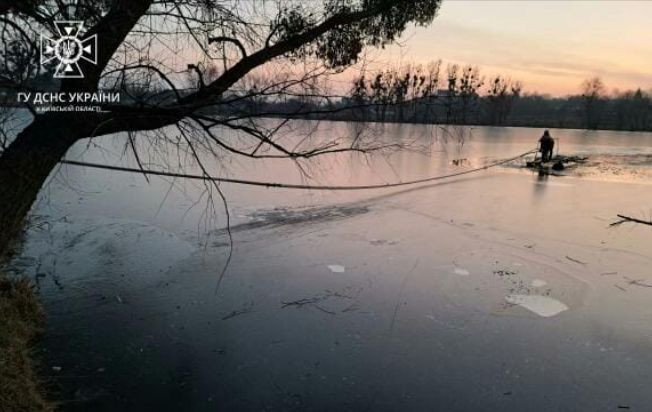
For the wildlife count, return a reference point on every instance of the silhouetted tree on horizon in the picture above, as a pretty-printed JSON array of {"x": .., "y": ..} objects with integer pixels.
[
  {"x": 593, "y": 93},
  {"x": 501, "y": 96},
  {"x": 633, "y": 110}
]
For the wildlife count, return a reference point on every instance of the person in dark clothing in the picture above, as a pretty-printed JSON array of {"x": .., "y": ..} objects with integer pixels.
[{"x": 547, "y": 144}]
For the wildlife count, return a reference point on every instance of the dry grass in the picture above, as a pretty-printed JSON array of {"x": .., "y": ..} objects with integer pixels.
[{"x": 20, "y": 320}]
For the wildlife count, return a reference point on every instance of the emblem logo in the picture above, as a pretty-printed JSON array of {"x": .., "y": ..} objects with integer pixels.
[{"x": 69, "y": 48}]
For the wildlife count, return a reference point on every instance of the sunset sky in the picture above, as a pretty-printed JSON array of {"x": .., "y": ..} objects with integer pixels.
[{"x": 549, "y": 45}]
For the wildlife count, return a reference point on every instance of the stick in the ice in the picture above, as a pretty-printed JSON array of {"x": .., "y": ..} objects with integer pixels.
[{"x": 630, "y": 219}]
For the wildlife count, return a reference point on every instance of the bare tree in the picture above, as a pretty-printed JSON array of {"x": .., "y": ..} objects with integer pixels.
[
  {"x": 399, "y": 92},
  {"x": 593, "y": 94},
  {"x": 381, "y": 93},
  {"x": 633, "y": 110},
  {"x": 147, "y": 51},
  {"x": 501, "y": 96},
  {"x": 452, "y": 91},
  {"x": 430, "y": 91},
  {"x": 469, "y": 87},
  {"x": 462, "y": 94},
  {"x": 410, "y": 89}
]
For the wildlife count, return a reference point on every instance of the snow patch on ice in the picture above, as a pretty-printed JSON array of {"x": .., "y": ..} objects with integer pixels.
[
  {"x": 538, "y": 283},
  {"x": 337, "y": 268},
  {"x": 544, "y": 306}
]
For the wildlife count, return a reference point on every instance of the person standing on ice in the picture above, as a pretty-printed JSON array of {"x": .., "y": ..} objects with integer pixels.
[{"x": 547, "y": 144}]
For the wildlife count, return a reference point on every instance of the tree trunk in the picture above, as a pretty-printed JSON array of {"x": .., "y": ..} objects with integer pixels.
[{"x": 24, "y": 167}]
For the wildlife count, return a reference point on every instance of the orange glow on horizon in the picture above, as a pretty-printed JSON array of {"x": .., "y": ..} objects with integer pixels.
[{"x": 551, "y": 46}]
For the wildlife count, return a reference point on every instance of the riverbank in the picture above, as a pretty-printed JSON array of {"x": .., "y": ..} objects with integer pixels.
[
  {"x": 534, "y": 122},
  {"x": 21, "y": 317}
]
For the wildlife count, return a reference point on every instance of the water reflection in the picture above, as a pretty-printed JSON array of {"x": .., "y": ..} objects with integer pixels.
[
  {"x": 540, "y": 184},
  {"x": 432, "y": 150}
]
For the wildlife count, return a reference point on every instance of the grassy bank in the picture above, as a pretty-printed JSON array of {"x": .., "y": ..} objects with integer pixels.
[{"x": 20, "y": 320}]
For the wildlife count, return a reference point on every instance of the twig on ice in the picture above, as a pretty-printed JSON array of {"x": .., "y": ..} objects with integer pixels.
[
  {"x": 575, "y": 260},
  {"x": 630, "y": 219}
]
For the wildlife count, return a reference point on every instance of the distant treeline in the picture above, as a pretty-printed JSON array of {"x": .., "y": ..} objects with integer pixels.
[
  {"x": 462, "y": 95},
  {"x": 433, "y": 94}
]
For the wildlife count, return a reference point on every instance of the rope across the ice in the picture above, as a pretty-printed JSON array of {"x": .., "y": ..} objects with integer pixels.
[{"x": 290, "y": 185}]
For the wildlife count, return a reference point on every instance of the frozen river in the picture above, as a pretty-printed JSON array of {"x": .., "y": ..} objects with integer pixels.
[{"x": 500, "y": 290}]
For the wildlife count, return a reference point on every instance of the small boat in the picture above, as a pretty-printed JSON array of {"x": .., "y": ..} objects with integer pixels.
[{"x": 558, "y": 163}]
